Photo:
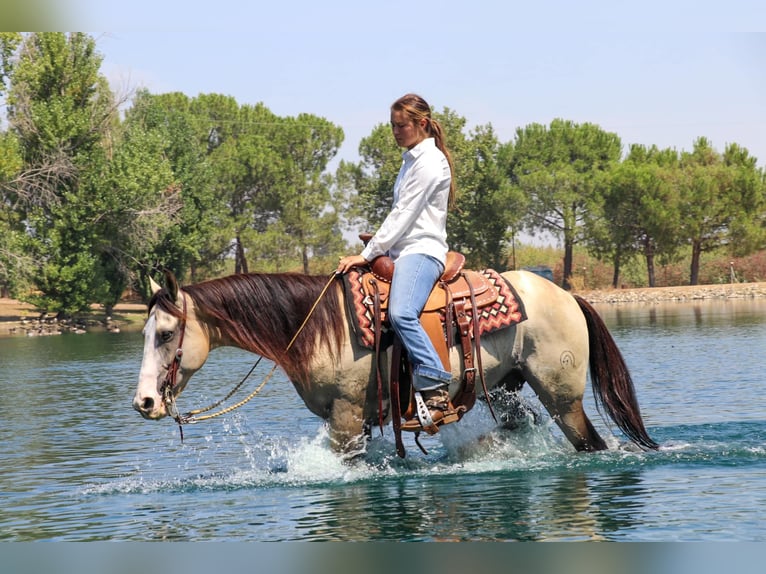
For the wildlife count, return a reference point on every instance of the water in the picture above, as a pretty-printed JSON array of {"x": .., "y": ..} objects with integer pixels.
[{"x": 80, "y": 465}]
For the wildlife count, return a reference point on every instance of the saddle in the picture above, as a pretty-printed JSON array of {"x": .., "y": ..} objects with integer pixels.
[{"x": 452, "y": 307}]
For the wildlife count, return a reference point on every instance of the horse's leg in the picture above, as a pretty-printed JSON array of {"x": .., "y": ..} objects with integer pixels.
[
  {"x": 346, "y": 423},
  {"x": 561, "y": 393},
  {"x": 571, "y": 419},
  {"x": 506, "y": 400},
  {"x": 577, "y": 427}
]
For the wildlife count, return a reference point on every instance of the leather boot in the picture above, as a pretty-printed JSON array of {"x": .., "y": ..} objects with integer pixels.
[{"x": 432, "y": 410}]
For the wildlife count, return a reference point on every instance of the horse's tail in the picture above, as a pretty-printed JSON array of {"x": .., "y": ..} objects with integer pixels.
[{"x": 611, "y": 380}]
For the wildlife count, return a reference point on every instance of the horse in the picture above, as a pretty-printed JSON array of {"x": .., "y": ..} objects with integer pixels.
[{"x": 300, "y": 323}]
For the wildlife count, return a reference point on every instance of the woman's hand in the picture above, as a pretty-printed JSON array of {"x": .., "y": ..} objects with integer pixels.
[{"x": 346, "y": 263}]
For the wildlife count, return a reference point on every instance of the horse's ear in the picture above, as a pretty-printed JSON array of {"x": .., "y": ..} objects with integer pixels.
[
  {"x": 172, "y": 284},
  {"x": 154, "y": 286}
]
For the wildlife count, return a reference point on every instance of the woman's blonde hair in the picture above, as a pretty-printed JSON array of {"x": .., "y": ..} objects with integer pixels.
[{"x": 417, "y": 109}]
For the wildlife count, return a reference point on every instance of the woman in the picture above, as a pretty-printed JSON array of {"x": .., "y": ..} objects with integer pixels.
[{"x": 414, "y": 235}]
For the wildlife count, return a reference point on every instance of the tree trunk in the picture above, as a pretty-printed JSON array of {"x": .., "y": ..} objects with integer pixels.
[
  {"x": 305, "y": 253},
  {"x": 695, "y": 271},
  {"x": 240, "y": 262},
  {"x": 616, "y": 274},
  {"x": 649, "y": 254},
  {"x": 568, "y": 258}
]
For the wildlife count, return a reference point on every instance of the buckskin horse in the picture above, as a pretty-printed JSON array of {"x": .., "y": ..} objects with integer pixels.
[{"x": 304, "y": 324}]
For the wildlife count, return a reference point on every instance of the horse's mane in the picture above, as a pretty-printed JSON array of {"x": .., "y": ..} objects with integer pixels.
[{"x": 262, "y": 312}]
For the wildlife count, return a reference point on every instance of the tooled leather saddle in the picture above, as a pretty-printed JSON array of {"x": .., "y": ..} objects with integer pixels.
[{"x": 452, "y": 307}]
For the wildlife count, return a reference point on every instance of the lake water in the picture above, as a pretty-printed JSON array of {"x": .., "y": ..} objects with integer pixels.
[{"x": 80, "y": 465}]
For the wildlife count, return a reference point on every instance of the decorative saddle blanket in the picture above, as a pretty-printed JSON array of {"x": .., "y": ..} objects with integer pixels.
[{"x": 498, "y": 304}]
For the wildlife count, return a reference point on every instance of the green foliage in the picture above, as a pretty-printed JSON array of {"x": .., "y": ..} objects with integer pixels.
[
  {"x": 639, "y": 211},
  {"x": 368, "y": 186},
  {"x": 722, "y": 199},
  {"x": 59, "y": 109},
  {"x": 185, "y": 223},
  {"x": 489, "y": 208},
  {"x": 9, "y": 42},
  {"x": 309, "y": 143},
  {"x": 559, "y": 168}
]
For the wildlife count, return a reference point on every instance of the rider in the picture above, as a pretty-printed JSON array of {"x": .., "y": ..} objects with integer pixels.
[{"x": 414, "y": 235}]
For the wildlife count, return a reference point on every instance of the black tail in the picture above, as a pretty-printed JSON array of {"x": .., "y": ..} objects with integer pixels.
[{"x": 611, "y": 380}]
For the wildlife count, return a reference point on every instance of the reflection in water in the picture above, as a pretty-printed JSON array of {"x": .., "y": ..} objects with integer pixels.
[
  {"x": 674, "y": 315},
  {"x": 520, "y": 506}
]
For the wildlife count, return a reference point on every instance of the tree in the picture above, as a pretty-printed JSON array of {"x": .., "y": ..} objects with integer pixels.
[
  {"x": 9, "y": 42},
  {"x": 557, "y": 167},
  {"x": 368, "y": 186},
  {"x": 747, "y": 231},
  {"x": 16, "y": 265},
  {"x": 245, "y": 163},
  {"x": 309, "y": 143},
  {"x": 719, "y": 194},
  {"x": 198, "y": 238},
  {"x": 639, "y": 210},
  {"x": 139, "y": 207},
  {"x": 61, "y": 110},
  {"x": 489, "y": 208}
]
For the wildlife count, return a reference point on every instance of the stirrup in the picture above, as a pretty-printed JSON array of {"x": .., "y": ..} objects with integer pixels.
[{"x": 428, "y": 420}]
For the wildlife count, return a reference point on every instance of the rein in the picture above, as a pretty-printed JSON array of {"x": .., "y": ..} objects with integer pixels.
[{"x": 169, "y": 383}]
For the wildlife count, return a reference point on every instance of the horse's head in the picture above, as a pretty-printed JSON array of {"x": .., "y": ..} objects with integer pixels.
[{"x": 175, "y": 347}]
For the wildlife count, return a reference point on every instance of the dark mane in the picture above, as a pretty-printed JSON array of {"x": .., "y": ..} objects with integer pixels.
[{"x": 262, "y": 312}]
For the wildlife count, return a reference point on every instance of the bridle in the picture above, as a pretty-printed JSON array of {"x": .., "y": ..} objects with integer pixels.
[
  {"x": 169, "y": 382},
  {"x": 171, "y": 374}
]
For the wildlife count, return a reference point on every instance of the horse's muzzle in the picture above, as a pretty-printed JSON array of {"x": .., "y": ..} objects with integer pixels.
[{"x": 149, "y": 408}]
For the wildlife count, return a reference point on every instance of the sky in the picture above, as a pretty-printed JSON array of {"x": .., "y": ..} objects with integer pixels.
[{"x": 655, "y": 73}]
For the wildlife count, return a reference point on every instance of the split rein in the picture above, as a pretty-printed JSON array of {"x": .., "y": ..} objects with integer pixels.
[{"x": 169, "y": 383}]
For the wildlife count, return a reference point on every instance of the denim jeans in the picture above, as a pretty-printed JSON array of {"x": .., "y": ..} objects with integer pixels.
[{"x": 414, "y": 277}]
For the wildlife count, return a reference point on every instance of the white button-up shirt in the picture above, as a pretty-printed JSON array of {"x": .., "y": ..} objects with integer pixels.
[{"x": 417, "y": 222}]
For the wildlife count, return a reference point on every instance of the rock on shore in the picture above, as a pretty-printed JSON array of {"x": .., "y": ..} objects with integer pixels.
[{"x": 682, "y": 293}]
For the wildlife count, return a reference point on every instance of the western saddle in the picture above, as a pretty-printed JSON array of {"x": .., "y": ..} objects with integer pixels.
[{"x": 451, "y": 307}]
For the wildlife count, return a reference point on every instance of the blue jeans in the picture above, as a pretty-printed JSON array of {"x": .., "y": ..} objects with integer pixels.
[{"x": 414, "y": 277}]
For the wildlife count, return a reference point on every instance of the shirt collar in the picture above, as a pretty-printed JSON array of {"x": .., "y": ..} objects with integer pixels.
[{"x": 419, "y": 149}]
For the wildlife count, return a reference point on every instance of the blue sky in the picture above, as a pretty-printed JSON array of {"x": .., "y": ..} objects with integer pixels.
[{"x": 653, "y": 72}]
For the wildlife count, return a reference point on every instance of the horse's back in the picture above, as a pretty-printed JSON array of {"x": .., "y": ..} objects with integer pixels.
[{"x": 541, "y": 296}]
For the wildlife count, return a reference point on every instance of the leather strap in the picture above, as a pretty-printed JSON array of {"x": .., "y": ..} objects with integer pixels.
[
  {"x": 467, "y": 394},
  {"x": 378, "y": 329},
  {"x": 477, "y": 346},
  {"x": 396, "y": 406}
]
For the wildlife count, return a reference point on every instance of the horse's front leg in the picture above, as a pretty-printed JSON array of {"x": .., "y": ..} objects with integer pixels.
[{"x": 347, "y": 436}]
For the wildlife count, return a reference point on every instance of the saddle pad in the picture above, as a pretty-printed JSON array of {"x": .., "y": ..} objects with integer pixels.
[{"x": 506, "y": 310}]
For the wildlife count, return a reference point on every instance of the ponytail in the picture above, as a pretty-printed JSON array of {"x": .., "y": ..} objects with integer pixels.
[{"x": 417, "y": 108}]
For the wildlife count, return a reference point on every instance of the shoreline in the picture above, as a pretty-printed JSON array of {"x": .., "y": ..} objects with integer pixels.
[
  {"x": 17, "y": 318},
  {"x": 21, "y": 318},
  {"x": 679, "y": 294}
]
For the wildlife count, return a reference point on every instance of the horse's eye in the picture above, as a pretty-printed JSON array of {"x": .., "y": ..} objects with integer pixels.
[{"x": 165, "y": 336}]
